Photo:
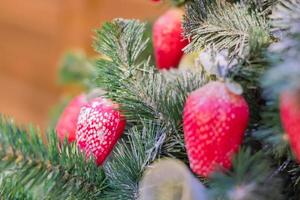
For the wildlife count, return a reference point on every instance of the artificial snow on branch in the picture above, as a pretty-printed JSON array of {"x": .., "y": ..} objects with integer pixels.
[{"x": 227, "y": 26}]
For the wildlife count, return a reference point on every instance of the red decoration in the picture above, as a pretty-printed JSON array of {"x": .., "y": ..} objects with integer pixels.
[
  {"x": 66, "y": 125},
  {"x": 215, "y": 120},
  {"x": 290, "y": 117},
  {"x": 99, "y": 127},
  {"x": 167, "y": 39}
]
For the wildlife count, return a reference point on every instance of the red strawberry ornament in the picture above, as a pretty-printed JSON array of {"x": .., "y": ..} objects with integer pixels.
[
  {"x": 290, "y": 117},
  {"x": 99, "y": 127},
  {"x": 66, "y": 125},
  {"x": 167, "y": 39},
  {"x": 214, "y": 122}
]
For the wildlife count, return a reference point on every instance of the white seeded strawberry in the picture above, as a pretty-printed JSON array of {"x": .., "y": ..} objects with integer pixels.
[
  {"x": 167, "y": 39},
  {"x": 100, "y": 125},
  {"x": 214, "y": 123}
]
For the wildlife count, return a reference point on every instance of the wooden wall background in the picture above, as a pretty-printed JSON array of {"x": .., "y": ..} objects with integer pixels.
[{"x": 33, "y": 36}]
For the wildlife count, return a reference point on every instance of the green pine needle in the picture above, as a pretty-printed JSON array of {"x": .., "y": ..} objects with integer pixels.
[
  {"x": 250, "y": 179},
  {"x": 224, "y": 25},
  {"x": 52, "y": 171}
]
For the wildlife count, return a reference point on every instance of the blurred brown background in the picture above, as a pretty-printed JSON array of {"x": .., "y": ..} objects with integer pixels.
[{"x": 33, "y": 36}]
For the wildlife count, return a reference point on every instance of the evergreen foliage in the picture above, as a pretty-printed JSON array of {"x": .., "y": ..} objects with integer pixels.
[
  {"x": 239, "y": 184},
  {"x": 262, "y": 35},
  {"x": 236, "y": 27},
  {"x": 49, "y": 170},
  {"x": 76, "y": 68}
]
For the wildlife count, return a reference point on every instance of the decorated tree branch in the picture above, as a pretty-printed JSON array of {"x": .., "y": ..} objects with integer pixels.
[{"x": 216, "y": 117}]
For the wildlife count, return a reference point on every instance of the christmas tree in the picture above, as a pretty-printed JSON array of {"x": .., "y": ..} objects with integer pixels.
[{"x": 212, "y": 113}]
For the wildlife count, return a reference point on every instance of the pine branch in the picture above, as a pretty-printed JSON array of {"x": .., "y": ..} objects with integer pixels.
[
  {"x": 264, "y": 6},
  {"x": 9, "y": 191},
  {"x": 286, "y": 16},
  {"x": 131, "y": 156},
  {"x": 122, "y": 42},
  {"x": 227, "y": 26},
  {"x": 159, "y": 97},
  {"x": 285, "y": 54},
  {"x": 291, "y": 172},
  {"x": 248, "y": 73},
  {"x": 270, "y": 132},
  {"x": 59, "y": 172},
  {"x": 283, "y": 75},
  {"x": 249, "y": 179},
  {"x": 76, "y": 68}
]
